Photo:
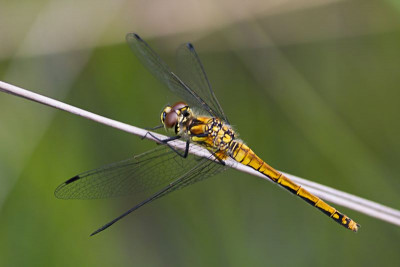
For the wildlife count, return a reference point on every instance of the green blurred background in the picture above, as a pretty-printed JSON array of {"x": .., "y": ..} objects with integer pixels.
[{"x": 312, "y": 86}]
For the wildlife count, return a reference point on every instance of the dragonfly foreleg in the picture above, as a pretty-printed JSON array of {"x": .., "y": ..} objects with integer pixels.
[
  {"x": 154, "y": 128},
  {"x": 172, "y": 138}
]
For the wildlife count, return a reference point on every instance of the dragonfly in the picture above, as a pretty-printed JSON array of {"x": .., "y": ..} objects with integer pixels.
[{"x": 165, "y": 169}]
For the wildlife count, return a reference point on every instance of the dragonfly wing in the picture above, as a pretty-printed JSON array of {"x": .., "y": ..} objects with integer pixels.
[
  {"x": 192, "y": 73},
  {"x": 140, "y": 176},
  {"x": 203, "y": 169},
  {"x": 160, "y": 69}
]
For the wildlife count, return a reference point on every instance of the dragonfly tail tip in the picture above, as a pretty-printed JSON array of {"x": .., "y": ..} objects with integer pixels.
[{"x": 355, "y": 227}]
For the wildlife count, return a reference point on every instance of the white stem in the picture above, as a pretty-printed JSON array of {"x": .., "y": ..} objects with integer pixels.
[{"x": 362, "y": 205}]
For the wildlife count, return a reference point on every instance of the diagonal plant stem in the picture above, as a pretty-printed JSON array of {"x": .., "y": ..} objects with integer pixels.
[{"x": 338, "y": 197}]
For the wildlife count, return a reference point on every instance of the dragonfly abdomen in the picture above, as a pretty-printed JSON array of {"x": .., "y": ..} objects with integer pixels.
[{"x": 243, "y": 154}]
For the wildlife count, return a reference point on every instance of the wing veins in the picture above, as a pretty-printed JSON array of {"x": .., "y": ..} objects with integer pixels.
[{"x": 152, "y": 61}]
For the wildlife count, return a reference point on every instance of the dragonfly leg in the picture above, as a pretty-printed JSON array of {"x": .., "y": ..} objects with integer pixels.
[
  {"x": 219, "y": 156},
  {"x": 154, "y": 128},
  {"x": 221, "y": 161},
  {"x": 172, "y": 138},
  {"x": 149, "y": 133}
]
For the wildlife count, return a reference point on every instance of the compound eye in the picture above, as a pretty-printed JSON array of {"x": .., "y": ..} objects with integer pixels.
[
  {"x": 179, "y": 105},
  {"x": 171, "y": 119}
]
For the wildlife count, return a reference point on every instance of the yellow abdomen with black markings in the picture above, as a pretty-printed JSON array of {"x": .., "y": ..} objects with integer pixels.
[
  {"x": 243, "y": 154},
  {"x": 219, "y": 138}
]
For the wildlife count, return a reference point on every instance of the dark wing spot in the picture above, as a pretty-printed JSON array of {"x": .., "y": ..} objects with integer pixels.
[
  {"x": 73, "y": 179},
  {"x": 190, "y": 46}
]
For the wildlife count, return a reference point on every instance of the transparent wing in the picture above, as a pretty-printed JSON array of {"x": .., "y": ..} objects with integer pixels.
[
  {"x": 141, "y": 176},
  {"x": 192, "y": 73},
  {"x": 160, "y": 69}
]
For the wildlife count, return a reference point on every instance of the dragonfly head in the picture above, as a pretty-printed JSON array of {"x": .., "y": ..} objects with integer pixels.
[{"x": 173, "y": 117}]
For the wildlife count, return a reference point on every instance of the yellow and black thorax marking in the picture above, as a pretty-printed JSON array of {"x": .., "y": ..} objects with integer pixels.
[{"x": 211, "y": 133}]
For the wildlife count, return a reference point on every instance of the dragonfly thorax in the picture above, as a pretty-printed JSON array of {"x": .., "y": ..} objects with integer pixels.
[
  {"x": 175, "y": 117},
  {"x": 221, "y": 134},
  {"x": 211, "y": 133}
]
